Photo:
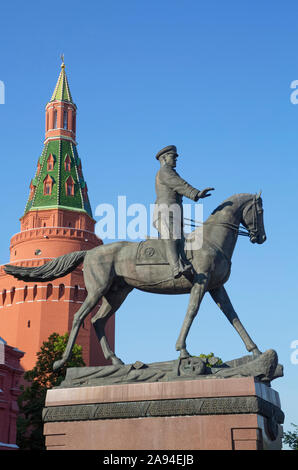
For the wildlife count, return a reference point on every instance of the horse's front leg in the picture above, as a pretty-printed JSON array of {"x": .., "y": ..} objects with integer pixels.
[
  {"x": 221, "y": 298},
  {"x": 196, "y": 295}
]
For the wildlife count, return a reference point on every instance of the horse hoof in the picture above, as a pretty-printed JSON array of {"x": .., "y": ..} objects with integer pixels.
[
  {"x": 256, "y": 352},
  {"x": 184, "y": 354},
  {"x": 116, "y": 361}
]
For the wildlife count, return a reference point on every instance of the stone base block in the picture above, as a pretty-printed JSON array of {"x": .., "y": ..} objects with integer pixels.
[{"x": 221, "y": 414}]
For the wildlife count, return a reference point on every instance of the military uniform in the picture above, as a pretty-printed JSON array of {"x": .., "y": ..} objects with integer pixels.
[{"x": 168, "y": 212}]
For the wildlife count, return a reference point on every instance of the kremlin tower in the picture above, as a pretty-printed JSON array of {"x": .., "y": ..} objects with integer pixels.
[{"x": 57, "y": 220}]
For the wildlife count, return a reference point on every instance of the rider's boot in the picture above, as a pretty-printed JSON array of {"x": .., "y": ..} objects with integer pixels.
[{"x": 178, "y": 267}]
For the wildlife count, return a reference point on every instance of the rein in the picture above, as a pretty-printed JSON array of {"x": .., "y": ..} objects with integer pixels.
[{"x": 240, "y": 231}]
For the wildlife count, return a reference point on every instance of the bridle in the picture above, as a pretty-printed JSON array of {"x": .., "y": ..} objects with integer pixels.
[
  {"x": 250, "y": 231},
  {"x": 254, "y": 230}
]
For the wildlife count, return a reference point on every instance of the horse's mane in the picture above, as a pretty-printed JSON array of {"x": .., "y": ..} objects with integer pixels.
[{"x": 237, "y": 199}]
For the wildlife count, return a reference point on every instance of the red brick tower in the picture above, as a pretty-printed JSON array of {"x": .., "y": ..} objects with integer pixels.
[{"x": 57, "y": 220}]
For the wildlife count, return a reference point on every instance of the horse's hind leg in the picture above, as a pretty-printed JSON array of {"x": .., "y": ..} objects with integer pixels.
[
  {"x": 111, "y": 303},
  {"x": 98, "y": 279},
  {"x": 89, "y": 303},
  {"x": 196, "y": 295}
]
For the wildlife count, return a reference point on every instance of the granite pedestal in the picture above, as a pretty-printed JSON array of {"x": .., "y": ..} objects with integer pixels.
[{"x": 222, "y": 414}]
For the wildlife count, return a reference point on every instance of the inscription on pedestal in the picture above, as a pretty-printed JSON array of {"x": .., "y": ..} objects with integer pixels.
[{"x": 177, "y": 407}]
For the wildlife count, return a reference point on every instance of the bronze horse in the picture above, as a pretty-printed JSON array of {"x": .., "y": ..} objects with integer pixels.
[{"x": 111, "y": 273}]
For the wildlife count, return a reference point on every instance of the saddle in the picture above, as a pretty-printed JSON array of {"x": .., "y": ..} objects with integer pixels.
[{"x": 152, "y": 251}]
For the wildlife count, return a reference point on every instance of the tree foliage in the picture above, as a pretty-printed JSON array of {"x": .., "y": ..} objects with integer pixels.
[
  {"x": 291, "y": 438},
  {"x": 42, "y": 377},
  {"x": 210, "y": 360}
]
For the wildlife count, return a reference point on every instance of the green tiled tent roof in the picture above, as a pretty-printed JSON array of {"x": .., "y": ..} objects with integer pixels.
[
  {"x": 59, "y": 148},
  {"x": 62, "y": 92},
  {"x": 58, "y": 197}
]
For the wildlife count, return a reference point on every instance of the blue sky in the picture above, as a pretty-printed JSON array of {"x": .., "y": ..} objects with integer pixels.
[{"x": 212, "y": 78}]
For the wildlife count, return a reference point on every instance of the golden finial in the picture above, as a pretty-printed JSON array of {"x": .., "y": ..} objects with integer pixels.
[{"x": 62, "y": 58}]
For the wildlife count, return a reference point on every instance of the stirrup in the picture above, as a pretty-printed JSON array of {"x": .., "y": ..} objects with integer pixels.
[{"x": 179, "y": 272}]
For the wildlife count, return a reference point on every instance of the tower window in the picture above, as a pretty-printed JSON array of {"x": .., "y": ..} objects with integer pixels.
[
  {"x": 69, "y": 186},
  {"x": 32, "y": 189},
  {"x": 47, "y": 185},
  {"x": 61, "y": 291},
  {"x": 34, "y": 292},
  {"x": 51, "y": 162},
  {"x": 67, "y": 163},
  {"x": 84, "y": 192},
  {"x": 70, "y": 119},
  {"x": 49, "y": 290},
  {"x": 12, "y": 294},
  {"x": 65, "y": 119},
  {"x": 55, "y": 119},
  {"x": 76, "y": 292},
  {"x": 3, "y": 295}
]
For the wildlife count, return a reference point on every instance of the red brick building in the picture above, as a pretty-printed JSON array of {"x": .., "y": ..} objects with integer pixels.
[
  {"x": 10, "y": 375},
  {"x": 57, "y": 220}
]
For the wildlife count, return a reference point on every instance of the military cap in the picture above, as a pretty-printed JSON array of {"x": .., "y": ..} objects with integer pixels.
[{"x": 169, "y": 148}]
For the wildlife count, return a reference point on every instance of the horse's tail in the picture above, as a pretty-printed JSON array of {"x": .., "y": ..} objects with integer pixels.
[{"x": 54, "y": 269}]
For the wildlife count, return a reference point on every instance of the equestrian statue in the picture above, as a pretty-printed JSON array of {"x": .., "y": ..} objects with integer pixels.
[{"x": 161, "y": 266}]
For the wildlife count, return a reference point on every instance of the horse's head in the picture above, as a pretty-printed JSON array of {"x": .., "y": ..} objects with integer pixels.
[{"x": 252, "y": 219}]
